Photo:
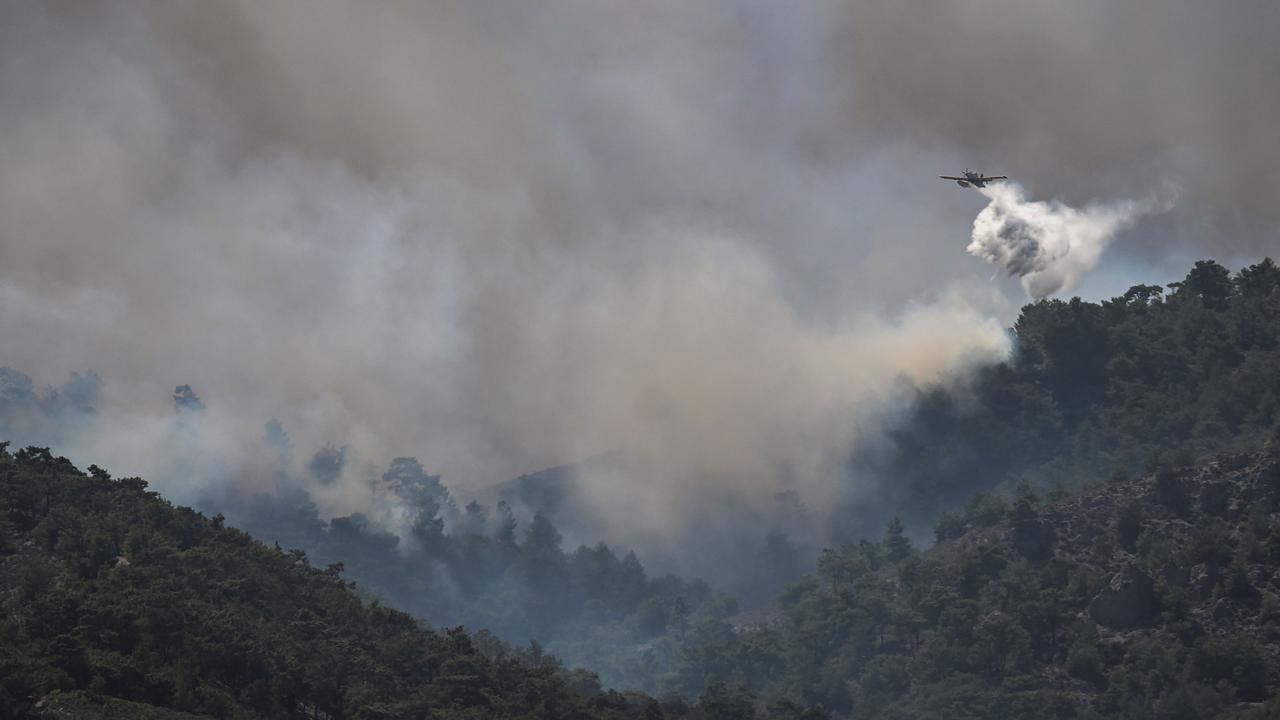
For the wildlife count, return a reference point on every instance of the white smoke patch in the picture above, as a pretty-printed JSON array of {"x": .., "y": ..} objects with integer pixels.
[
  {"x": 722, "y": 395},
  {"x": 1050, "y": 246}
]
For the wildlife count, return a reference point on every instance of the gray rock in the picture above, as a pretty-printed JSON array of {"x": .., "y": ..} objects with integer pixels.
[
  {"x": 1128, "y": 601},
  {"x": 1204, "y": 579},
  {"x": 1215, "y": 499},
  {"x": 1034, "y": 540},
  {"x": 1226, "y": 609}
]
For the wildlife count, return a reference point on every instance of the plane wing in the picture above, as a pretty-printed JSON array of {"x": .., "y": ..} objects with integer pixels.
[
  {"x": 948, "y": 177},
  {"x": 995, "y": 177}
]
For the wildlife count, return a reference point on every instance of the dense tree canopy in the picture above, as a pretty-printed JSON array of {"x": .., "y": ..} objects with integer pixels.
[
  {"x": 127, "y": 604},
  {"x": 1091, "y": 388},
  {"x": 1154, "y": 597},
  {"x": 592, "y": 606}
]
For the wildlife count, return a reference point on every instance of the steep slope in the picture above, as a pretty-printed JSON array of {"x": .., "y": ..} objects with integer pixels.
[
  {"x": 116, "y": 603},
  {"x": 1091, "y": 387},
  {"x": 1150, "y": 597}
]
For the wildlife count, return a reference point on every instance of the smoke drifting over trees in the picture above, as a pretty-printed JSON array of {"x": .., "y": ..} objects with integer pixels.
[{"x": 500, "y": 239}]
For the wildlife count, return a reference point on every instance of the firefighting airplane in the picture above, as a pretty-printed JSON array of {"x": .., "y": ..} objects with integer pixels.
[{"x": 975, "y": 179}]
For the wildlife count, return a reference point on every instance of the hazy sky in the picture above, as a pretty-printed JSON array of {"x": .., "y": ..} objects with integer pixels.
[{"x": 501, "y": 236}]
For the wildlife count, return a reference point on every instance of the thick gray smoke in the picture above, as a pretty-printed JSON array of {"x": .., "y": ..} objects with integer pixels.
[
  {"x": 1085, "y": 101},
  {"x": 500, "y": 237},
  {"x": 1048, "y": 245}
]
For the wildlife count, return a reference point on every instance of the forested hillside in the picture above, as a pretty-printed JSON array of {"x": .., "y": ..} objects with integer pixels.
[
  {"x": 1156, "y": 597},
  {"x": 1153, "y": 597},
  {"x": 117, "y": 603},
  {"x": 483, "y": 569},
  {"x": 1091, "y": 389},
  {"x": 1107, "y": 522}
]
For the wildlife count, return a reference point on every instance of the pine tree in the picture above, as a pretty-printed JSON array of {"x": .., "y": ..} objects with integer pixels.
[{"x": 896, "y": 543}]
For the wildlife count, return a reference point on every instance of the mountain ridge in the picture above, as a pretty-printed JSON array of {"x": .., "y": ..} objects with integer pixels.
[
  {"x": 114, "y": 598},
  {"x": 1151, "y": 596}
]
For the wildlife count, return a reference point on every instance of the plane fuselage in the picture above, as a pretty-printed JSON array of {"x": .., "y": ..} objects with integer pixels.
[{"x": 973, "y": 179}]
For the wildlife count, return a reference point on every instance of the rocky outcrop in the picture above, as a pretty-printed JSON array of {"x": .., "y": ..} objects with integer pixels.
[
  {"x": 1215, "y": 499},
  {"x": 1033, "y": 539},
  {"x": 1128, "y": 601},
  {"x": 1204, "y": 580}
]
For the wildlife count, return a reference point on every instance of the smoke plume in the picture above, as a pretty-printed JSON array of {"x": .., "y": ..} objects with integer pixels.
[
  {"x": 1048, "y": 245},
  {"x": 486, "y": 240},
  {"x": 501, "y": 238}
]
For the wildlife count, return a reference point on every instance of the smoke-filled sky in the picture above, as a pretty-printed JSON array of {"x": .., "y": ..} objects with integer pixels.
[{"x": 504, "y": 236}]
